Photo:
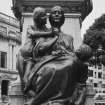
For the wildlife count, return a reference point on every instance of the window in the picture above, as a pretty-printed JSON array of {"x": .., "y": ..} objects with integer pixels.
[
  {"x": 95, "y": 84},
  {"x": 99, "y": 75},
  {"x": 4, "y": 90},
  {"x": 4, "y": 87},
  {"x": 95, "y": 75},
  {"x": 3, "y": 59},
  {"x": 90, "y": 73}
]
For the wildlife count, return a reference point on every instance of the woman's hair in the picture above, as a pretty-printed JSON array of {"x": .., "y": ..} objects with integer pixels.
[{"x": 62, "y": 19}]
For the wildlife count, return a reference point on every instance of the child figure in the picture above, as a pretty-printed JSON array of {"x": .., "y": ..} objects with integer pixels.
[{"x": 39, "y": 38}]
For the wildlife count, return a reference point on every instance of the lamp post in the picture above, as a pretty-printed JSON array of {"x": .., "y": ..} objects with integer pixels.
[
  {"x": 100, "y": 53},
  {"x": 98, "y": 56}
]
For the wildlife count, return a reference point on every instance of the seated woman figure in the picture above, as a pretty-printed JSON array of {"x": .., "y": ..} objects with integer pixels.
[{"x": 59, "y": 73}]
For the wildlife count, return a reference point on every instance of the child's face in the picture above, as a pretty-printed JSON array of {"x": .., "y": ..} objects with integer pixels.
[
  {"x": 39, "y": 16},
  {"x": 43, "y": 17}
]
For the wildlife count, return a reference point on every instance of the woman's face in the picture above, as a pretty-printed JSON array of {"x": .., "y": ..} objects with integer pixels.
[{"x": 56, "y": 15}]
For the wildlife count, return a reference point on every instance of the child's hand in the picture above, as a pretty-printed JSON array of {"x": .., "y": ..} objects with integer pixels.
[{"x": 55, "y": 30}]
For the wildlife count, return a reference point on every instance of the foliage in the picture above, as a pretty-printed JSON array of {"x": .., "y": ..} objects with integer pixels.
[
  {"x": 95, "y": 35},
  {"x": 99, "y": 23}
]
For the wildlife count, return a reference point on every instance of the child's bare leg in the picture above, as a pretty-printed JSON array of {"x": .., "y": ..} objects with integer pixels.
[{"x": 28, "y": 67}]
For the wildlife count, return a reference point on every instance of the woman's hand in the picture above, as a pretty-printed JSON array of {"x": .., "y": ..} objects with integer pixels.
[{"x": 55, "y": 31}]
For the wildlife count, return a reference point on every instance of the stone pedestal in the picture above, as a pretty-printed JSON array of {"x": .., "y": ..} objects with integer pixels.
[
  {"x": 75, "y": 12},
  {"x": 71, "y": 27},
  {"x": 16, "y": 96}
]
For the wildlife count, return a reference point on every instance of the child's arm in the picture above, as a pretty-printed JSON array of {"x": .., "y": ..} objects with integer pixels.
[
  {"x": 44, "y": 46},
  {"x": 35, "y": 33}
]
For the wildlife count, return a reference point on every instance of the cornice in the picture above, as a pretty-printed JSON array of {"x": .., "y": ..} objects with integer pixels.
[
  {"x": 67, "y": 15},
  {"x": 70, "y": 6},
  {"x": 7, "y": 37},
  {"x": 6, "y": 22}
]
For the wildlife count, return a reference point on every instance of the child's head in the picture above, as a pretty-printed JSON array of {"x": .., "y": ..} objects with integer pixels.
[{"x": 39, "y": 16}]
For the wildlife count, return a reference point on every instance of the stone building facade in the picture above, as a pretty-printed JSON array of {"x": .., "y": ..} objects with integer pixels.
[
  {"x": 96, "y": 80},
  {"x": 10, "y": 41}
]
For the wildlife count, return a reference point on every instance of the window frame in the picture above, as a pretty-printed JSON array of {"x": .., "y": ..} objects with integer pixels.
[{"x": 3, "y": 55}]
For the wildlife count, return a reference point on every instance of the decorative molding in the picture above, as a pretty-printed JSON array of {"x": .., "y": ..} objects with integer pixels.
[
  {"x": 73, "y": 15},
  {"x": 67, "y": 15},
  {"x": 82, "y": 7},
  {"x": 70, "y": 6},
  {"x": 9, "y": 20},
  {"x": 6, "y": 74},
  {"x": 6, "y": 36}
]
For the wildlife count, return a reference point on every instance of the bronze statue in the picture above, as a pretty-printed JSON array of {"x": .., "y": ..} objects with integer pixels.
[{"x": 56, "y": 74}]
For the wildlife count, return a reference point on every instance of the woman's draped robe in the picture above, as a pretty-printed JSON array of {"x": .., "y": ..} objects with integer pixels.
[{"x": 56, "y": 74}]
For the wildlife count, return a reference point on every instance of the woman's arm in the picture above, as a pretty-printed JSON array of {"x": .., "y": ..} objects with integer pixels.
[
  {"x": 48, "y": 44},
  {"x": 43, "y": 47}
]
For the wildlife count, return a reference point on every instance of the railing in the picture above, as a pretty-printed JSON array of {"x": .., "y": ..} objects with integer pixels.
[
  {"x": 90, "y": 90},
  {"x": 9, "y": 19}
]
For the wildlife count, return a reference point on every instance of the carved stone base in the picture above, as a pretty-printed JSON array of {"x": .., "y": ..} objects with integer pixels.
[{"x": 16, "y": 96}]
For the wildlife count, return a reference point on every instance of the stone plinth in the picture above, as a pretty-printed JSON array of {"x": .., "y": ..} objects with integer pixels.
[
  {"x": 75, "y": 12},
  {"x": 71, "y": 27},
  {"x": 16, "y": 96}
]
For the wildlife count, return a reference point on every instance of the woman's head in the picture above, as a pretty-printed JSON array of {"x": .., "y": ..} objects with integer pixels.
[
  {"x": 56, "y": 17},
  {"x": 39, "y": 16}
]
